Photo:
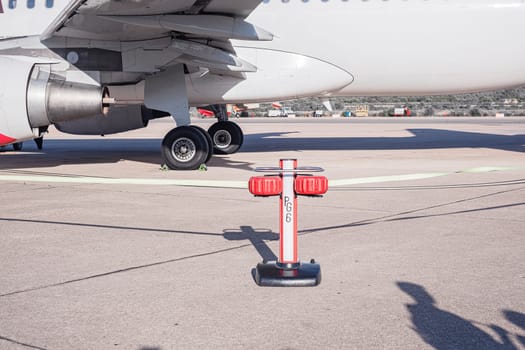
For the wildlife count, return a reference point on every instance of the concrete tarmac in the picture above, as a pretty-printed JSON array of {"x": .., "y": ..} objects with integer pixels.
[{"x": 421, "y": 240}]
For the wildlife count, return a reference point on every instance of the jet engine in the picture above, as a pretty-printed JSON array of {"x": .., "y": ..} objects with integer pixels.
[
  {"x": 32, "y": 96},
  {"x": 119, "y": 119}
]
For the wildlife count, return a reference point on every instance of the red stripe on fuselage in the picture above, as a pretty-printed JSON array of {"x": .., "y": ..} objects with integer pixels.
[{"x": 5, "y": 140}]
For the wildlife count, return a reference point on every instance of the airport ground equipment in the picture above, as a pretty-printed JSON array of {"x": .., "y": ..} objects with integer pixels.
[{"x": 288, "y": 181}]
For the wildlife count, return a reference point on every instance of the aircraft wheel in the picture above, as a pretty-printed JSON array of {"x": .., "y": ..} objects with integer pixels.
[
  {"x": 227, "y": 137},
  {"x": 208, "y": 138},
  {"x": 18, "y": 146},
  {"x": 185, "y": 148}
]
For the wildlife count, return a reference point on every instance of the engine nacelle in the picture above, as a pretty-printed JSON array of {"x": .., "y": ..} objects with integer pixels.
[
  {"x": 119, "y": 119},
  {"x": 14, "y": 123},
  {"x": 31, "y": 97}
]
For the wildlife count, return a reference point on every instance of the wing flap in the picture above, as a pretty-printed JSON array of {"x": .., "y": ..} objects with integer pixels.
[
  {"x": 198, "y": 32},
  {"x": 211, "y": 26},
  {"x": 221, "y": 19}
]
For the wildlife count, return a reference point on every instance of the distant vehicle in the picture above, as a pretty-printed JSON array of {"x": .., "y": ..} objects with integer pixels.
[
  {"x": 206, "y": 113},
  {"x": 400, "y": 112},
  {"x": 281, "y": 112},
  {"x": 361, "y": 111},
  {"x": 275, "y": 113}
]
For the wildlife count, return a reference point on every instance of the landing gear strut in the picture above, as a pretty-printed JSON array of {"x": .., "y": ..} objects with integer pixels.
[{"x": 39, "y": 142}]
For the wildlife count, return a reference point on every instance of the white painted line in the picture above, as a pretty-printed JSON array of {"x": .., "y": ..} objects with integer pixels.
[
  {"x": 123, "y": 181},
  {"x": 488, "y": 169},
  {"x": 379, "y": 179},
  {"x": 229, "y": 184}
]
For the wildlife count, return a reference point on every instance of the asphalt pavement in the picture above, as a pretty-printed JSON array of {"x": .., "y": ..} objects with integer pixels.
[{"x": 421, "y": 240}]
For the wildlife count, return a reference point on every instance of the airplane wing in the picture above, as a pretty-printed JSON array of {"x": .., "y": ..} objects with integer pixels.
[
  {"x": 201, "y": 29},
  {"x": 127, "y": 20}
]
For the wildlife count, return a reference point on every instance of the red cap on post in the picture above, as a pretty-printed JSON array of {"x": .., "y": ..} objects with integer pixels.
[
  {"x": 311, "y": 185},
  {"x": 265, "y": 186}
]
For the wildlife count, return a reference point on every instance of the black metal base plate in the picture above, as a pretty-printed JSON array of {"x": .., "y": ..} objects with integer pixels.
[{"x": 270, "y": 274}]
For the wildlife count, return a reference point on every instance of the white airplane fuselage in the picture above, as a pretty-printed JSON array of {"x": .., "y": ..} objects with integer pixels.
[
  {"x": 394, "y": 47},
  {"x": 401, "y": 47},
  {"x": 101, "y": 67}
]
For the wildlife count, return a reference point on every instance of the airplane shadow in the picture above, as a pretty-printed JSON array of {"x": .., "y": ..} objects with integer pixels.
[
  {"x": 444, "y": 330},
  {"x": 109, "y": 151},
  {"x": 422, "y": 139},
  {"x": 97, "y": 151}
]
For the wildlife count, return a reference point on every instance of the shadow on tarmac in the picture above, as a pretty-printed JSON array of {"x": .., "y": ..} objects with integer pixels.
[
  {"x": 25, "y": 345},
  {"x": 98, "y": 151},
  {"x": 517, "y": 319},
  {"x": 444, "y": 330},
  {"x": 108, "y": 151},
  {"x": 421, "y": 139},
  {"x": 256, "y": 238},
  {"x": 408, "y": 214}
]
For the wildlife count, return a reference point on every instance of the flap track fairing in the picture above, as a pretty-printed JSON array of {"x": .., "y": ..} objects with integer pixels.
[{"x": 212, "y": 26}]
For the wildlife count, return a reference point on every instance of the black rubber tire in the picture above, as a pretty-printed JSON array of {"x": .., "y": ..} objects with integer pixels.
[
  {"x": 18, "y": 146},
  {"x": 185, "y": 148},
  {"x": 227, "y": 137},
  {"x": 210, "y": 141}
]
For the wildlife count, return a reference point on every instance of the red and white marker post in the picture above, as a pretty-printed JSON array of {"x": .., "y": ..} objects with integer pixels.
[{"x": 288, "y": 182}]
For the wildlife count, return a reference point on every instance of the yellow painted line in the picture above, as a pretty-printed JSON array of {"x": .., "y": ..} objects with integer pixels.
[{"x": 228, "y": 184}]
